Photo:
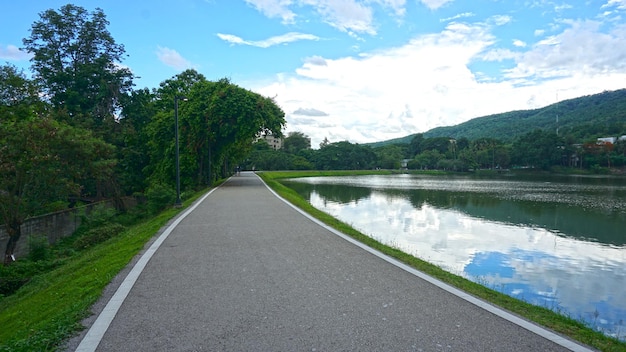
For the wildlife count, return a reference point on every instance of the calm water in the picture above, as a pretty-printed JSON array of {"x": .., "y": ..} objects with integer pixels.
[{"x": 554, "y": 242}]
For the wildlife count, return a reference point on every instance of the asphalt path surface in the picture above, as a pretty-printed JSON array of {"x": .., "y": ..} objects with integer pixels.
[{"x": 245, "y": 271}]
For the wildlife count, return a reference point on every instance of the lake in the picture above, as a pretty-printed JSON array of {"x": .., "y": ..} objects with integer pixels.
[{"x": 557, "y": 242}]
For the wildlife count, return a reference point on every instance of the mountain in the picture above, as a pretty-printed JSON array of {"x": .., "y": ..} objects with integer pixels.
[{"x": 583, "y": 117}]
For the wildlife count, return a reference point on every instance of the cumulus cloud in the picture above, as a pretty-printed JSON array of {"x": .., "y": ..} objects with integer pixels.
[
  {"x": 309, "y": 112},
  {"x": 172, "y": 58},
  {"x": 276, "y": 40},
  {"x": 428, "y": 81},
  {"x": 353, "y": 17},
  {"x": 13, "y": 53},
  {"x": 519, "y": 43},
  {"x": 580, "y": 49}
]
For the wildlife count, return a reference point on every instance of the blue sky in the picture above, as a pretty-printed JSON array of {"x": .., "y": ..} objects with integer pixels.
[{"x": 366, "y": 70}]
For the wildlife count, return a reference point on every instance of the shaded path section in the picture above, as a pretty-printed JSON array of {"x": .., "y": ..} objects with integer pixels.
[{"x": 244, "y": 271}]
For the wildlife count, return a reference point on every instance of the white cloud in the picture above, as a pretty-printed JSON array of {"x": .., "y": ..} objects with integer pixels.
[
  {"x": 309, "y": 112},
  {"x": 619, "y": 4},
  {"x": 435, "y": 4},
  {"x": 275, "y": 8},
  {"x": 580, "y": 49},
  {"x": 315, "y": 60},
  {"x": 500, "y": 20},
  {"x": 13, "y": 53},
  {"x": 345, "y": 15},
  {"x": 277, "y": 40},
  {"x": 428, "y": 82},
  {"x": 519, "y": 43},
  {"x": 398, "y": 6},
  {"x": 353, "y": 17},
  {"x": 456, "y": 17},
  {"x": 499, "y": 54},
  {"x": 172, "y": 58}
]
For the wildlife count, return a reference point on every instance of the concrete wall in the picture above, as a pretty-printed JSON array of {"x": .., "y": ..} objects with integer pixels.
[{"x": 54, "y": 226}]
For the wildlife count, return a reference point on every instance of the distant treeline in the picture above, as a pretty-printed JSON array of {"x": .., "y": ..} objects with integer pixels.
[{"x": 537, "y": 149}]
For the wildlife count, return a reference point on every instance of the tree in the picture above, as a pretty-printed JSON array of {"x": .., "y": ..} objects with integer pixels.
[
  {"x": 537, "y": 149},
  {"x": 133, "y": 140},
  {"x": 19, "y": 96},
  {"x": 345, "y": 156},
  {"x": 415, "y": 147},
  {"x": 296, "y": 142},
  {"x": 324, "y": 143},
  {"x": 77, "y": 63},
  {"x": 217, "y": 127},
  {"x": 390, "y": 156},
  {"x": 43, "y": 161}
]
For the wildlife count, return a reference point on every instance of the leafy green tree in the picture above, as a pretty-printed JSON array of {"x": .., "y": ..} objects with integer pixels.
[
  {"x": 440, "y": 144},
  {"x": 217, "y": 126},
  {"x": 345, "y": 156},
  {"x": 19, "y": 96},
  {"x": 43, "y": 161},
  {"x": 133, "y": 140},
  {"x": 296, "y": 142},
  {"x": 76, "y": 61},
  {"x": 390, "y": 156},
  {"x": 428, "y": 159},
  {"x": 415, "y": 147},
  {"x": 537, "y": 149}
]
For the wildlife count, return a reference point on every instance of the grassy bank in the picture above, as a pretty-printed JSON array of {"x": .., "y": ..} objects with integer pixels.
[
  {"x": 50, "y": 307},
  {"x": 542, "y": 316}
]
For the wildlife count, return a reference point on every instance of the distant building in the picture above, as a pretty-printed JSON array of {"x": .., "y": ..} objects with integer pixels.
[
  {"x": 274, "y": 142},
  {"x": 606, "y": 140}
]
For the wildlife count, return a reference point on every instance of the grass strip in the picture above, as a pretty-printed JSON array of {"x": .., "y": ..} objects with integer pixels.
[
  {"x": 550, "y": 319},
  {"x": 50, "y": 308}
]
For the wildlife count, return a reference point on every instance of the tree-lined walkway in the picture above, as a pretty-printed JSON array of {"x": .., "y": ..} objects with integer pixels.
[{"x": 244, "y": 271}]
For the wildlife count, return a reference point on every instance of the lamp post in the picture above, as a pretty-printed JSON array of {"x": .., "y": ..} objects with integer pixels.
[{"x": 176, "y": 99}]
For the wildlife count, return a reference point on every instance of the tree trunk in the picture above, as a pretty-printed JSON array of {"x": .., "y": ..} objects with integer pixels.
[{"x": 15, "y": 231}]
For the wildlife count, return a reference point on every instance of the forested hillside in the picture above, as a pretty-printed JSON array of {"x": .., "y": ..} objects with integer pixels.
[{"x": 583, "y": 118}]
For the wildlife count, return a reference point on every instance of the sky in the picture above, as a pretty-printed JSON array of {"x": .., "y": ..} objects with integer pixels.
[{"x": 365, "y": 70}]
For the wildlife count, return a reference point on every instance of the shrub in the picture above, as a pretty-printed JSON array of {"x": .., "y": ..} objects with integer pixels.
[
  {"x": 98, "y": 235},
  {"x": 159, "y": 197},
  {"x": 98, "y": 216},
  {"x": 38, "y": 248}
]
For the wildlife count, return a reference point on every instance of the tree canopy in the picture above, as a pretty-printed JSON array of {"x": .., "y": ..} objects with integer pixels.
[{"x": 77, "y": 63}]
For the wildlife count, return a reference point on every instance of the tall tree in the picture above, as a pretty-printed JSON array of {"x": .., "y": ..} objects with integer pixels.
[{"x": 77, "y": 62}]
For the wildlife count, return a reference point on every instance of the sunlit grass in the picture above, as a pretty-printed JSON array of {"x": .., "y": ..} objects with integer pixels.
[{"x": 550, "y": 319}]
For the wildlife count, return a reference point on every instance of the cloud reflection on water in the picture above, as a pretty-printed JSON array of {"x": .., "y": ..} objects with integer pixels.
[{"x": 583, "y": 279}]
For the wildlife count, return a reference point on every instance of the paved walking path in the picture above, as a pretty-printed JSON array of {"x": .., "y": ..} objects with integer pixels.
[{"x": 245, "y": 271}]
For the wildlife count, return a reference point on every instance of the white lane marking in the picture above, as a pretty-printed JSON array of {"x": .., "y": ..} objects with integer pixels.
[
  {"x": 549, "y": 335},
  {"x": 92, "y": 339}
]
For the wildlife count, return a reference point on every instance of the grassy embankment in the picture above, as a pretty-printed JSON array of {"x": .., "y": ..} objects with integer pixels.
[
  {"x": 49, "y": 308},
  {"x": 541, "y": 315}
]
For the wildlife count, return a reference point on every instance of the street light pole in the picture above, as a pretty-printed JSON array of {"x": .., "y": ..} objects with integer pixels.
[{"x": 178, "y": 201}]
